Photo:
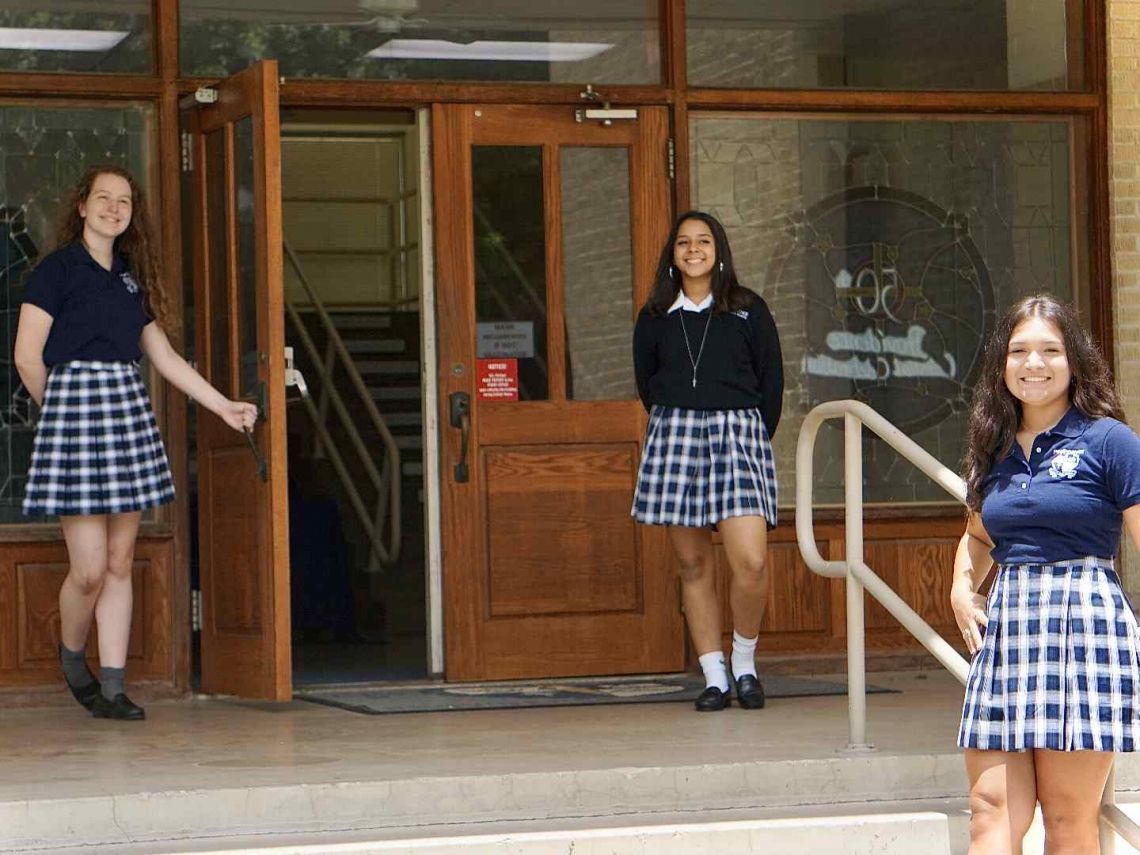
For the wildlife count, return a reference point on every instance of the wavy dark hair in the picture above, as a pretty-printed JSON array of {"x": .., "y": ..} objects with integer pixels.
[
  {"x": 136, "y": 244},
  {"x": 995, "y": 414},
  {"x": 727, "y": 293}
]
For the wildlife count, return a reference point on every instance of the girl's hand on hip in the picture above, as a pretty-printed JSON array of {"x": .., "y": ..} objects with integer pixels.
[
  {"x": 239, "y": 415},
  {"x": 970, "y": 615}
]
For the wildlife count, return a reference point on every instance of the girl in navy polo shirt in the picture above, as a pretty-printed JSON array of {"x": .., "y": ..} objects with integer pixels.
[
  {"x": 708, "y": 367},
  {"x": 1052, "y": 473},
  {"x": 92, "y": 309}
]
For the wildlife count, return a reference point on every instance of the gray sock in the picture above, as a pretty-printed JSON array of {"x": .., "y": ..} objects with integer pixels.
[
  {"x": 112, "y": 680},
  {"x": 74, "y": 664}
]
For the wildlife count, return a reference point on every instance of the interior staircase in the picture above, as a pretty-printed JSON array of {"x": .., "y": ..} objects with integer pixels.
[{"x": 385, "y": 347}]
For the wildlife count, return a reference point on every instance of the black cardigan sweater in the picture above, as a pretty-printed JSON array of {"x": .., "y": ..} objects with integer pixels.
[{"x": 741, "y": 366}]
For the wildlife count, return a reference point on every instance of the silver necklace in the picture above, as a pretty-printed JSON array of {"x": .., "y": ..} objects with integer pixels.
[{"x": 689, "y": 348}]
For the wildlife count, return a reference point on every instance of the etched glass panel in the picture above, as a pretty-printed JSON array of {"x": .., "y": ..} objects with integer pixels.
[{"x": 884, "y": 249}]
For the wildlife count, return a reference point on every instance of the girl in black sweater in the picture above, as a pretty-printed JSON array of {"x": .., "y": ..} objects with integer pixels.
[{"x": 709, "y": 371}]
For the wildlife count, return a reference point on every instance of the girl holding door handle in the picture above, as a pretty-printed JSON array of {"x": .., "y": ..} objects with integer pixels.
[{"x": 92, "y": 309}]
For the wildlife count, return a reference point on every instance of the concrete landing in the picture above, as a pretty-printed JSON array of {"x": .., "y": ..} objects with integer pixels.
[{"x": 205, "y": 770}]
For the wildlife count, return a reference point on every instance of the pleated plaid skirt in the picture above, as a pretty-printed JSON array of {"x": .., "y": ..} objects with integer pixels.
[
  {"x": 97, "y": 448},
  {"x": 1058, "y": 668},
  {"x": 702, "y": 466}
]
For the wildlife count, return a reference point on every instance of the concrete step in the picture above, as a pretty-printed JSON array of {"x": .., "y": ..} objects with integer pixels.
[
  {"x": 437, "y": 800},
  {"x": 937, "y": 828},
  {"x": 199, "y": 774},
  {"x": 900, "y": 828}
]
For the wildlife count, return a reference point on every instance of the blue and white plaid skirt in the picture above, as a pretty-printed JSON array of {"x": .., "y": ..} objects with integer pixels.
[
  {"x": 702, "y": 466},
  {"x": 1058, "y": 668},
  {"x": 97, "y": 448}
]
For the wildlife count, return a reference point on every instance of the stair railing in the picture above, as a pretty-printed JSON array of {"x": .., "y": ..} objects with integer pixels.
[
  {"x": 387, "y": 480},
  {"x": 859, "y": 577}
]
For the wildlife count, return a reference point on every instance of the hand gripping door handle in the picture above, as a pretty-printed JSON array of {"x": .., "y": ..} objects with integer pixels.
[{"x": 459, "y": 406}]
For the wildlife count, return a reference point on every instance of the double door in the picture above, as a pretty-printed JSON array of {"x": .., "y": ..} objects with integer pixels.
[{"x": 546, "y": 230}]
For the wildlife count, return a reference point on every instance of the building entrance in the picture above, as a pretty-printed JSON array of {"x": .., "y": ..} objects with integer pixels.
[
  {"x": 351, "y": 218},
  {"x": 547, "y": 224}
]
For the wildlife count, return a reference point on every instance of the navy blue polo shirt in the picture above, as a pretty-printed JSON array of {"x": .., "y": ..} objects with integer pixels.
[
  {"x": 97, "y": 314},
  {"x": 1066, "y": 500}
]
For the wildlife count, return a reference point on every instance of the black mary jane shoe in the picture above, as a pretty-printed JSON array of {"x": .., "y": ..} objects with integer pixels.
[
  {"x": 84, "y": 695},
  {"x": 87, "y": 695},
  {"x": 712, "y": 699},
  {"x": 749, "y": 692},
  {"x": 121, "y": 708}
]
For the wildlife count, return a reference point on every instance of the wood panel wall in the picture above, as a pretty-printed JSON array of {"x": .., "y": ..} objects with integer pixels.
[
  {"x": 30, "y": 577},
  {"x": 806, "y": 613}
]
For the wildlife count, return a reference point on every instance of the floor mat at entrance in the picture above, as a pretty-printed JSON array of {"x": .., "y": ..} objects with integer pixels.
[{"x": 440, "y": 697}]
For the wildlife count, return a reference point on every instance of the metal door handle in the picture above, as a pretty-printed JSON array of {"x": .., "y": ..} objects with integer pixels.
[
  {"x": 262, "y": 466},
  {"x": 459, "y": 405}
]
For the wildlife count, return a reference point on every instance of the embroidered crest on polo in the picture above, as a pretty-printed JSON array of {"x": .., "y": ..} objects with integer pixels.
[
  {"x": 129, "y": 281},
  {"x": 1064, "y": 463}
]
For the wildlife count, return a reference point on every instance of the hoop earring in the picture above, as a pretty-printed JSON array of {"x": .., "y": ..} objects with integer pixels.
[
  {"x": 721, "y": 266},
  {"x": 672, "y": 272}
]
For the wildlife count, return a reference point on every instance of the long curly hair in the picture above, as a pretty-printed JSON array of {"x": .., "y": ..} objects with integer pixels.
[
  {"x": 995, "y": 415},
  {"x": 136, "y": 244},
  {"x": 727, "y": 293}
]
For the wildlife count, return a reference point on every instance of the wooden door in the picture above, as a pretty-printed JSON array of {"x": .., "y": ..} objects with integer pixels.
[
  {"x": 239, "y": 320},
  {"x": 547, "y": 232}
]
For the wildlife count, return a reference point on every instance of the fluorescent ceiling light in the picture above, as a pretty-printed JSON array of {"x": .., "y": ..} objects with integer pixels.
[
  {"x": 507, "y": 51},
  {"x": 31, "y": 38}
]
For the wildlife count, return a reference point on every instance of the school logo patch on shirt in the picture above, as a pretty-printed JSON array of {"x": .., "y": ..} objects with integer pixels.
[
  {"x": 741, "y": 313},
  {"x": 1065, "y": 460},
  {"x": 129, "y": 281}
]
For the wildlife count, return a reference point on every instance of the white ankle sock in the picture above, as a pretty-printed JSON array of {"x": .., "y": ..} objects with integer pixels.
[
  {"x": 743, "y": 655},
  {"x": 713, "y": 666}
]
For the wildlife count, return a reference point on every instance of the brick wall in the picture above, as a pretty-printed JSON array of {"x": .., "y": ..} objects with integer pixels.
[{"x": 1124, "y": 170}]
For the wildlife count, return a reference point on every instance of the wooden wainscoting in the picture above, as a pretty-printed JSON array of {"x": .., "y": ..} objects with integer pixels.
[
  {"x": 30, "y": 576},
  {"x": 806, "y": 612}
]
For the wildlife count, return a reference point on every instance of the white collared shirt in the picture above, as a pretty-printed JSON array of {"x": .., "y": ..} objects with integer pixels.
[{"x": 683, "y": 302}]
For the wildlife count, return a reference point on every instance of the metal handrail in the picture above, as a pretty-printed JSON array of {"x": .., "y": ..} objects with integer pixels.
[
  {"x": 860, "y": 577},
  {"x": 386, "y": 482}
]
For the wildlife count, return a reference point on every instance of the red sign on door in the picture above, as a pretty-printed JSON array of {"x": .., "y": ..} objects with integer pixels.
[{"x": 498, "y": 379}]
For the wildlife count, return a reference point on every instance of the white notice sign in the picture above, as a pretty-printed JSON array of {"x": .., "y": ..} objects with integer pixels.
[{"x": 505, "y": 340}]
